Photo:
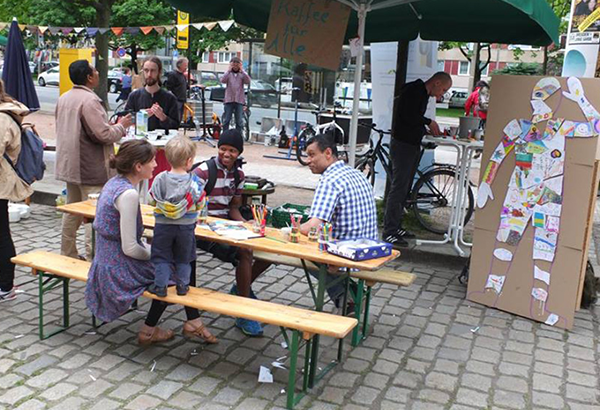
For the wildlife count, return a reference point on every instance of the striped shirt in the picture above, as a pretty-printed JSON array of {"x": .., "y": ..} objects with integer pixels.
[
  {"x": 345, "y": 198},
  {"x": 224, "y": 190}
]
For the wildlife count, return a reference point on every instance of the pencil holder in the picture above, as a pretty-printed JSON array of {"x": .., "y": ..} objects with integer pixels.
[
  {"x": 313, "y": 235},
  {"x": 295, "y": 235}
]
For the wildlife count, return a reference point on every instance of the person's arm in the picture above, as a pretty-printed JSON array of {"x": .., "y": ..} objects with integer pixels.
[
  {"x": 96, "y": 126},
  {"x": 245, "y": 77},
  {"x": 225, "y": 77},
  {"x": 234, "y": 209},
  {"x": 469, "y": 103},
  {"x": 323, "y": 206},
  {"x": 408, "y": 110},
  {"x": 311, "y": 223},
  {"x": 127, "y": 204}
]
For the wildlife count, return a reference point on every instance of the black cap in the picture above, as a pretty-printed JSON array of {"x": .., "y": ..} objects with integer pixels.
[{"x": 232, "y": 137}]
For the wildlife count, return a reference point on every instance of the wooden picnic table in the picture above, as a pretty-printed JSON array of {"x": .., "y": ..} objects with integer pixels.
[{"x": 272, "y": 242}]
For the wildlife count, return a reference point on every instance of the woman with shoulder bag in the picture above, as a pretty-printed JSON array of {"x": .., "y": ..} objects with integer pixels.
[{"x": 12, "y": 188}]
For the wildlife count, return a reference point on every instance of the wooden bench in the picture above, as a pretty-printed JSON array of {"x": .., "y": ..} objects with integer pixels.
[
  {"x": 365, "y": 281},
  {"x": 53, "y": 269}
]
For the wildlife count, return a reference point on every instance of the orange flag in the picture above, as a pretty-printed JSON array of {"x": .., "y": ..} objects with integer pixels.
[
  {"x": 146, "y": 30},
  {"x": 117, "y": 30}
]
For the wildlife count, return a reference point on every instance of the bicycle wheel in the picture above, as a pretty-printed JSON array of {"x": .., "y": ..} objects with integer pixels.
[
  {"x": 433, "y": 197},
  {"x": 304, "y": 136},
  {"x": 366, "y": 165}
]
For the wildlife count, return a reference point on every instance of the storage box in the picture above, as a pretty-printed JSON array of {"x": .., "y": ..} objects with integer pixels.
[
  {"x": 359, "y": 249},
  {"x": 280, "y": 216}
]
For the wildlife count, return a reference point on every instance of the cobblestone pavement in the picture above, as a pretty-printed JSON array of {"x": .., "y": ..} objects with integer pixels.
[{"x": 429, "y": 349}]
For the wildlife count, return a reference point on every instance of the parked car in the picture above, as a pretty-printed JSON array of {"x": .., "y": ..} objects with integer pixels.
[
  {"x": 49, "y": 77},
  {"x": 115, "y": 81},
  {"x": 458, "y": 99},
  {"x": 261, "y": 93}
]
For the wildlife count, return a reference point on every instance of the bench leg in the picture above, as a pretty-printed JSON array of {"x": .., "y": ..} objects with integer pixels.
[
  {"x": 51, "y": 281},
  {"x": 292, "y": 397},
  {"x": 358, "y": 301}
]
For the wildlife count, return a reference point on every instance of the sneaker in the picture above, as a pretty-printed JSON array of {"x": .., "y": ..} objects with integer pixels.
[
  {"x": 5, "y": 296},
  {"x": 182, "y": 289},
  {"x": 234, "y": 291},
  {"x": 406, "y": 234},
  {"x": 157, "y": 290},
  {"x": 396, "y": 240},
  {"x": 249, "y": 327}
]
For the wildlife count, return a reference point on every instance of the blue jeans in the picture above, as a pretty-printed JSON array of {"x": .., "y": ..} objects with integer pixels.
[{"x": 238, "y": 110}]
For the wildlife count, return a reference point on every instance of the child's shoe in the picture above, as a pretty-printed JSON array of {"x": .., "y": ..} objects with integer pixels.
[
  {"x": 182, "y": 290},
  {"x": 158, "y": 290}
]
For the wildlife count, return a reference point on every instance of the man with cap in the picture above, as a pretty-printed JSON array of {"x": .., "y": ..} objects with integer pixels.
[
  {"x": 224, "y": 201},
  {"x": 234, "y": 101}
]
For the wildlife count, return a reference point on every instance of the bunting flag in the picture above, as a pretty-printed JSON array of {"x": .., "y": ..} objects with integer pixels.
[{"x": 224, "y": 25}]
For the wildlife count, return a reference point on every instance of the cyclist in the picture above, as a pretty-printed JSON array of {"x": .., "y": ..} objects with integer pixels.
[{"x": 405, "y": 147}]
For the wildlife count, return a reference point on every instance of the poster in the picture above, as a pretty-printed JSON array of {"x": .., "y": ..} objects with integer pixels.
[
  {"x": 422, "y": 63},
  {"x": 311, "y": 31},
  {"x": 583, "y": 40},
  {"x": 535, "y": 195}
]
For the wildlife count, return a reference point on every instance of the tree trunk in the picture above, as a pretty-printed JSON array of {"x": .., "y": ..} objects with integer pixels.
[
  {"x": 102, "y": 20},
  {"x": 545, "y": 66}
]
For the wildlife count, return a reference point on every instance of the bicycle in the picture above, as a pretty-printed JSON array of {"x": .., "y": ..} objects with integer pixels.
[
  {"x": 310, "y": 131},
  {"x": 432, "y": 197}
]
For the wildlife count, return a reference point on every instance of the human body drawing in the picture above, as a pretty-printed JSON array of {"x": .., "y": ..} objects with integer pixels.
[{"x": 536, "y": 186}]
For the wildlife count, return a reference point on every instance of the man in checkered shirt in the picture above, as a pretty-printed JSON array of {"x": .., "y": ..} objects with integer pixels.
[{"x": 343, "y": 197}]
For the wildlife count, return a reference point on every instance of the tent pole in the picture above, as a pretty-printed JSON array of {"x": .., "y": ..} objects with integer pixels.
[{"x": 362, "y": 15}]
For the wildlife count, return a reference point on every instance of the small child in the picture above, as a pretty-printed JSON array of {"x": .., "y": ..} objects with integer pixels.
[{"x": 177, "y": 196}]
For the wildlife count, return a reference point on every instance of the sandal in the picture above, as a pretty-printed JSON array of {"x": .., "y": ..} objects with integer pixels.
[
  {"x": 195, "y": 328},
  {"x": 149, "y": 335}
]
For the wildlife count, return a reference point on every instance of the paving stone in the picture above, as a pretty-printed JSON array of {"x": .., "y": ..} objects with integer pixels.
[
  {"x": 95, "y": 388},
  {"x": 480, "y": 367},
  {"x": 375, "y": 380},
  {"x": 398, "y": 394},
  {"x": 47, "y": 378},
  {"x": 228, "y": 396},
  {"x": 143, "y": 402},
  {"x": 584, "y": 394},
  {"x": 58, "y": 391},
  {"x": 547, "y": 383},
  {"x": 346, "y": 379},
  {"x": 476, "y": 381},
  {"x": 582, "y": 378},
  {"x": 365, "y": 395},
  {"x": 32, "y": 404},
  {"x": 205, "y": 385},
  {"x": 252, "y": 403},
  {"x": 185, "y": 400},
  {"x": 12, "y": 396},
  {"x": 509, "y": 399},
  {"x": 125, "y": 390},
  {"x": 513, "y": 369},
  {"x": 184, "y": 372},
  {"x": 547, "y": 368},
  {"x": 333, "y": 395},
  {"x": 434, "y": 396},
  {"x": 441, "y": 381},
  {"x": 106, "y": 404},
  {"x": 554, "y": 401},
  {"x": 164, "y": 389},
  {"x": 472, "y": 398},
  {"x": 9, "y": 380},
  {"x": 419, "y": 405},
  {"x": 70, "y": 403},
  {"x": 38, "y": 364}
]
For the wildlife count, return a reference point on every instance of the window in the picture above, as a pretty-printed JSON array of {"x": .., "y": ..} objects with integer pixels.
[
  {"x": 225, "y": 57},
  {"x": 205, "y": 56},
  {"x": 441, "y": 64},
  {"x": 486, "y": 70},
  {"x": 463, "y": 68}
]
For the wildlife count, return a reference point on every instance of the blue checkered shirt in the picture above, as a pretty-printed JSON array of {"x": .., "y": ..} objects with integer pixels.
[{"x": 345, "y": 198}]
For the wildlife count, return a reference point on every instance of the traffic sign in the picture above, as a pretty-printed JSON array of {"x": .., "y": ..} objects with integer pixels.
[{"x": 121, "y": 52}]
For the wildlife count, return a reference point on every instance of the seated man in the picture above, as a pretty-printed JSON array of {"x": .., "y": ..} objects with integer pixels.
[
  {"x": 224, "y": 191},
  {"x": 343, "y": 198}
]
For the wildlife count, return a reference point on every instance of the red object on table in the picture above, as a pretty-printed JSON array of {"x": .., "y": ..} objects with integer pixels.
[{"x": 161, "y": 164}]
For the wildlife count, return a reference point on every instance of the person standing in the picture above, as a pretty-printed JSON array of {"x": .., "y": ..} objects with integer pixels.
[
  {"x": 408, "y": 129},
  {"x": 84, "y": 142},
  {"x": 177, "y": 83},
  {"x": 160, "y": 104},
  {"x": 12, "y": 188},
  {"x": 125, "y": 86},
  {"x": 234, "y": 101}
]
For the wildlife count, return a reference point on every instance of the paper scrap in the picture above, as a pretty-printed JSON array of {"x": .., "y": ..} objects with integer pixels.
[
  {"x": 284, "y": 345},
  {"x": 545, "y": 88},
  {"x": 475, "y": 329},
  {"x": 92, "y": 377},
  {"x": 539, "y": 294},
  {"x": 153, "y": 366},
  {"x": 552, "y": 319},
  {"x": 19, "y": 336},
  {"x": 542, "y": 275},
  {"x": 495, "y": 282},
  {"x": 503, "y": 254},
  {"x": 278, "y": 365},
  {"x": 264, "y": 375}
]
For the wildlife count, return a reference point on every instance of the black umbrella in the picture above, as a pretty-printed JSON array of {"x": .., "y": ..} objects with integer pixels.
[{"x": 16, "y": 73}]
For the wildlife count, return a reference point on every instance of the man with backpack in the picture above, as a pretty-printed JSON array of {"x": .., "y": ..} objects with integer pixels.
[
  {"x": 84, "y": 142},
  {"x": 224, "y": 181}
]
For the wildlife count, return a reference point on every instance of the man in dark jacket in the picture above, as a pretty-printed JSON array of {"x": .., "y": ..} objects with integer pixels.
[
  {"x": 177, "y": 83},
  {"x": 409, "y": 127}
]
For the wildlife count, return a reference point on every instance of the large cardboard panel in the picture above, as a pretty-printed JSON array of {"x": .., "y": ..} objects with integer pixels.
[
  {"x": 510, "y": 99},
  {"x": 310, "y": 32}
]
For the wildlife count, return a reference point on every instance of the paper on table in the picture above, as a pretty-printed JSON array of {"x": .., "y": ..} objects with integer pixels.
[
  {"x": 552, "y": 319},
  {"x": 264, "y": 375}
]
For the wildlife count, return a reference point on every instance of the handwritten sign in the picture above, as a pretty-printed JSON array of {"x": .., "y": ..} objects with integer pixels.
[{"x": 311, "y": 31}]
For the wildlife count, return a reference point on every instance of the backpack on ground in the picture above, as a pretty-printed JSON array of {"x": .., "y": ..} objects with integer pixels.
[{"x": 30, "y": 165}]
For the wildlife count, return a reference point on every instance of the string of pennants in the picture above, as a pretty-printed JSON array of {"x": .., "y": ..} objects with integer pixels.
[{"x": 224, "y": 25}]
